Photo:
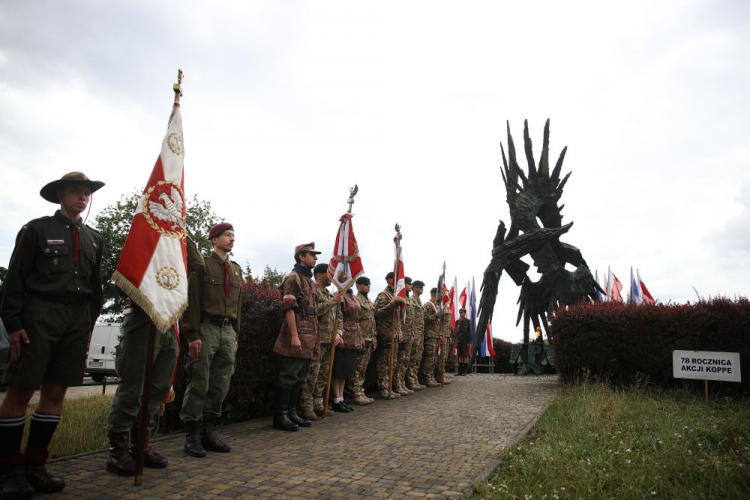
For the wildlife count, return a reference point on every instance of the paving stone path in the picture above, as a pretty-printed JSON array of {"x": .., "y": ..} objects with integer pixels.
[{"x": 433, "y": 444}]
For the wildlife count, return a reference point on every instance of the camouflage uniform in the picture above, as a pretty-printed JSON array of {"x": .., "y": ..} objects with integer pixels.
[
  {"x": 404, "y": 351},
  {"x": 328, "y": 312},
  {"x": 431, "y": 336},
  {"x": 384, "y": 316},
  {"x": 369, "y": 333},
  {"x": 415, "y": 357},
  {"x": 446, "y": 348}
]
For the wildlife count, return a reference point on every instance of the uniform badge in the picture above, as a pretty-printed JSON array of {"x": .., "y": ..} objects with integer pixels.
[{"x": 55, "y": 242}]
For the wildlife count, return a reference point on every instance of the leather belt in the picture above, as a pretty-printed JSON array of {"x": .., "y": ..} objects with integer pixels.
[{"x": 220, "y": 322}]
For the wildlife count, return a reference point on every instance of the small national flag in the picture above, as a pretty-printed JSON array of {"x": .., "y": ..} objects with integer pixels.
[
  {"x": 487, "y": 350},
  {"x": 636, "y": 296},
  {"x": 152, "y": 270},
  {"x": 647, "y": 298},
  {"x": 346, "y": 265},
  {"x": 614, "y": 287},
  {"x": 463, "y": 296}
]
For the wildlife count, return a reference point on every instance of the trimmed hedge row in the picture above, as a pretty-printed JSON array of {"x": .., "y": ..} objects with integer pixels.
[{"x": 617, "y": 342}]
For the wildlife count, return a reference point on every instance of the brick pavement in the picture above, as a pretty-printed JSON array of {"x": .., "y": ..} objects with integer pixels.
[{"x": 412, "y": 447}]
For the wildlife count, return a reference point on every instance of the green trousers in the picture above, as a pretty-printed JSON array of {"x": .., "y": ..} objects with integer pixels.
[
  {"x": 130, "y": 363},
  {"x": 209, "y": 375}
]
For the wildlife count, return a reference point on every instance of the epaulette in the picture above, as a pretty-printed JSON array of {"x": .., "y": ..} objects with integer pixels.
[
  {"x": 38, "y": 219},
  {"x": 97, "y": 232}
]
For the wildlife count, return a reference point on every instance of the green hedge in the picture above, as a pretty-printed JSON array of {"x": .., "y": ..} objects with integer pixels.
[{"x": 620, "y": 342}]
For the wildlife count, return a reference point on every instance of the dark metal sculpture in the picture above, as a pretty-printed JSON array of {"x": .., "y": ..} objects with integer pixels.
[{"x": 535, "y": 230}]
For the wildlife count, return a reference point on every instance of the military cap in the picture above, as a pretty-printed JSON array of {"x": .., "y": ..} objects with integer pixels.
[
  {"x": 434, "y": 290},
  {"x": 418, "y": 284},
  {"x": 363, "y": 280},
  {"x": 389, "y": 276},
  {"x": 305, "y": 247},
  {"x": 320, "y": 269},
  {"x": 407, "y": 280},
  {"x": 219, "y": 229},
  {"x": 462, "y": 310},
  {"x": 49, "y": 192}
]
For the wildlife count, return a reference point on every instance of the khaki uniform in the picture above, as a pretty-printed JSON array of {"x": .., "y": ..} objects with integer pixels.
[
  {"x": 220, "y": 304},
  {"x": 384, "y": 319},
  {"x": 53, "y": 290},
  {"x": 415, "y": 357},
  {"x": 405, "y": 348},
  {"x": 447, "y": 346},
  {"x": 431, "y": 336},
  {"x": 131, "y": 363},
  {"x": 369, "y": 334},
  {"x": 298, "y": 295},
  {"x": 329, "y": 314}
]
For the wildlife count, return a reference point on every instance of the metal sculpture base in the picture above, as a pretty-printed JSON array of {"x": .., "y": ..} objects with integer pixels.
[{"x": 532, "y": 358}]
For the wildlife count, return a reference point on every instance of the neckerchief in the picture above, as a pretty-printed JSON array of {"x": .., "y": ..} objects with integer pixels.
[{"x": 304, "y": 271}]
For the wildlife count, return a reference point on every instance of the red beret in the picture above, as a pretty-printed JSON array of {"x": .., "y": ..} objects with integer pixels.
[{"x": 219, "y": 228}]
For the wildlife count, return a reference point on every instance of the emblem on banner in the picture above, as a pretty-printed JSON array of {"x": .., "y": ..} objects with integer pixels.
[
  {"x": 163, "y": 209},
  {"x": 167, "y": 278},
  {"x": 174, "y": 142}
]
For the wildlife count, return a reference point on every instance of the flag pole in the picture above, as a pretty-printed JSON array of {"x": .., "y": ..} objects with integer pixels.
[
  {"x": 140, "y": 447},
  {"x": 352, "y": 192},
  {"x": 394, "y": 318}
]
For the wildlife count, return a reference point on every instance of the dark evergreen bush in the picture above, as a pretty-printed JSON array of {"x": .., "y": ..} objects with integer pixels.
[{"x": 620, "y": 342}]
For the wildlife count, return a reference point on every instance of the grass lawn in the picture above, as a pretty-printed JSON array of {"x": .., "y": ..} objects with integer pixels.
[
  {"x": 83, "y": 426},
  {"x": 598, "y": 442}
]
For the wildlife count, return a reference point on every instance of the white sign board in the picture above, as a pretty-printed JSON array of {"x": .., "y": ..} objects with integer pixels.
[{"x": 705, "y": 365}]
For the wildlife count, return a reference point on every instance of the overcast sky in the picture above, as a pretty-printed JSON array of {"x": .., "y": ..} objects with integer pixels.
[{"x": 288, "y": 104}]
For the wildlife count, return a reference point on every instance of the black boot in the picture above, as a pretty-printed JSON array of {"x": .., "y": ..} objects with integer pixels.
[
  {"x": 193, "y": 446},
  {"x": 151, "y": 459},
  {"x": 118, "y": 460},
  {"x": 209, "y": 439},
  {"x": 292, "y": 411},
  {"x": 13, "y": 483},
  {"x": 280, "y": 419},
  {"x": 36, "y": 472}
]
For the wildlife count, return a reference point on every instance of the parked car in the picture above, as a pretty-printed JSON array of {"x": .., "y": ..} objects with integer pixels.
[{"x": 101, "y": 359}]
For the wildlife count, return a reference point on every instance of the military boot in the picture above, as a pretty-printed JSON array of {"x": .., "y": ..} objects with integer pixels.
[
  {"x": 431, "y": 382},
  {"x": 193, "y": 445},
  {"x": 119, "y": 460},
  {"x": 292, "y": 411},
  {"x": 209, "y": 439},
  {"x": 360, "y": 399},
  {"x": 151, "y": 459},
  {"x": 280, "y": 418},
  {"x": 13, "y": 483}
]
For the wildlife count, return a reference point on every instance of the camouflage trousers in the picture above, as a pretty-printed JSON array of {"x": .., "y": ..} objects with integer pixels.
[
  {"x": 306, "y": 392},
  {"x": 415, "y": 359},
  {"x": 404, "y": 356},
  {"x": 322, "y": 381},
  {"x": 429, "y": 361},
  {"x": 356, "y": 384},
  {"x": 383, "y": 365},
  {"x": 441, "y": 359}
]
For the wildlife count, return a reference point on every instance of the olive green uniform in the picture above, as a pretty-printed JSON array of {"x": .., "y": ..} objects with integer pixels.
[
  {"x": 329, "y": 315},
  {"x": 220, "y": 304},
  {"x": 384, "y": 319},
  {"x": 53, "y": 290},
  {"x": 130, "y": 362},
  {"x": 431, "y": 336},
  {"x": 415, "y": 357},
  {"x": 369, "y": 333}
]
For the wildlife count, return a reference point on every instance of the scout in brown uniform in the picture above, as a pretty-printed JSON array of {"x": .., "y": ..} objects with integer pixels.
[
  {"x": 384, "y": 305},
  {"x": 369, "y": 336},
  {"x": 329, "y": 316},
  {"x": 415, "y": 357},
  {"x": 404, "y": 349},
  {"x": 52, "y": 296},
  {"x": 298, "y": 340},
  {"x": 345, "y": 360},
  {"x": 216, "y": 292},
  {"x": 463, "y": 337},
  {"x": 431, "y": 336}
]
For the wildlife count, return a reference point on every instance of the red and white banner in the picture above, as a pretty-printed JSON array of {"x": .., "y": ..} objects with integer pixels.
[
  {"x": 346, "y": 265},
  {"x": 152, "y": 269},
  {"x": 647, "y": 298},
  {"x": 399, "y": 285},
  {"x": 614, "y": 287}
]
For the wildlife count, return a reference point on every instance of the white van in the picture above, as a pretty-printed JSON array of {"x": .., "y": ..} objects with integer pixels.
[{"x": 101, "y": 359}]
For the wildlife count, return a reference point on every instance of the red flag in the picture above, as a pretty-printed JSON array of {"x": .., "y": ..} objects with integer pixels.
[
  {"x": 152, "y": 269},
  {"x": 399, "y": 285},
  {"x": 346, "y": 265},
  {"x": 647, "y": 298},
  {"x": 462, "y": 298}
]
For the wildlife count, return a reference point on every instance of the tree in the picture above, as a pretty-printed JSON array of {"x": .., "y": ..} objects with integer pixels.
[
  {"x": 113, "y": 223},
  {"x": 271, "y": 277}
]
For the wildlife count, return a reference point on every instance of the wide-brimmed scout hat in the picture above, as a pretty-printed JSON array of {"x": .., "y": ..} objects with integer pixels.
[{"x": 49, "y": 192}]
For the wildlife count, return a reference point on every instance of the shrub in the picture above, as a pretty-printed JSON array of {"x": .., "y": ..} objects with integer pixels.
[{"x": 617, "y": 342}]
